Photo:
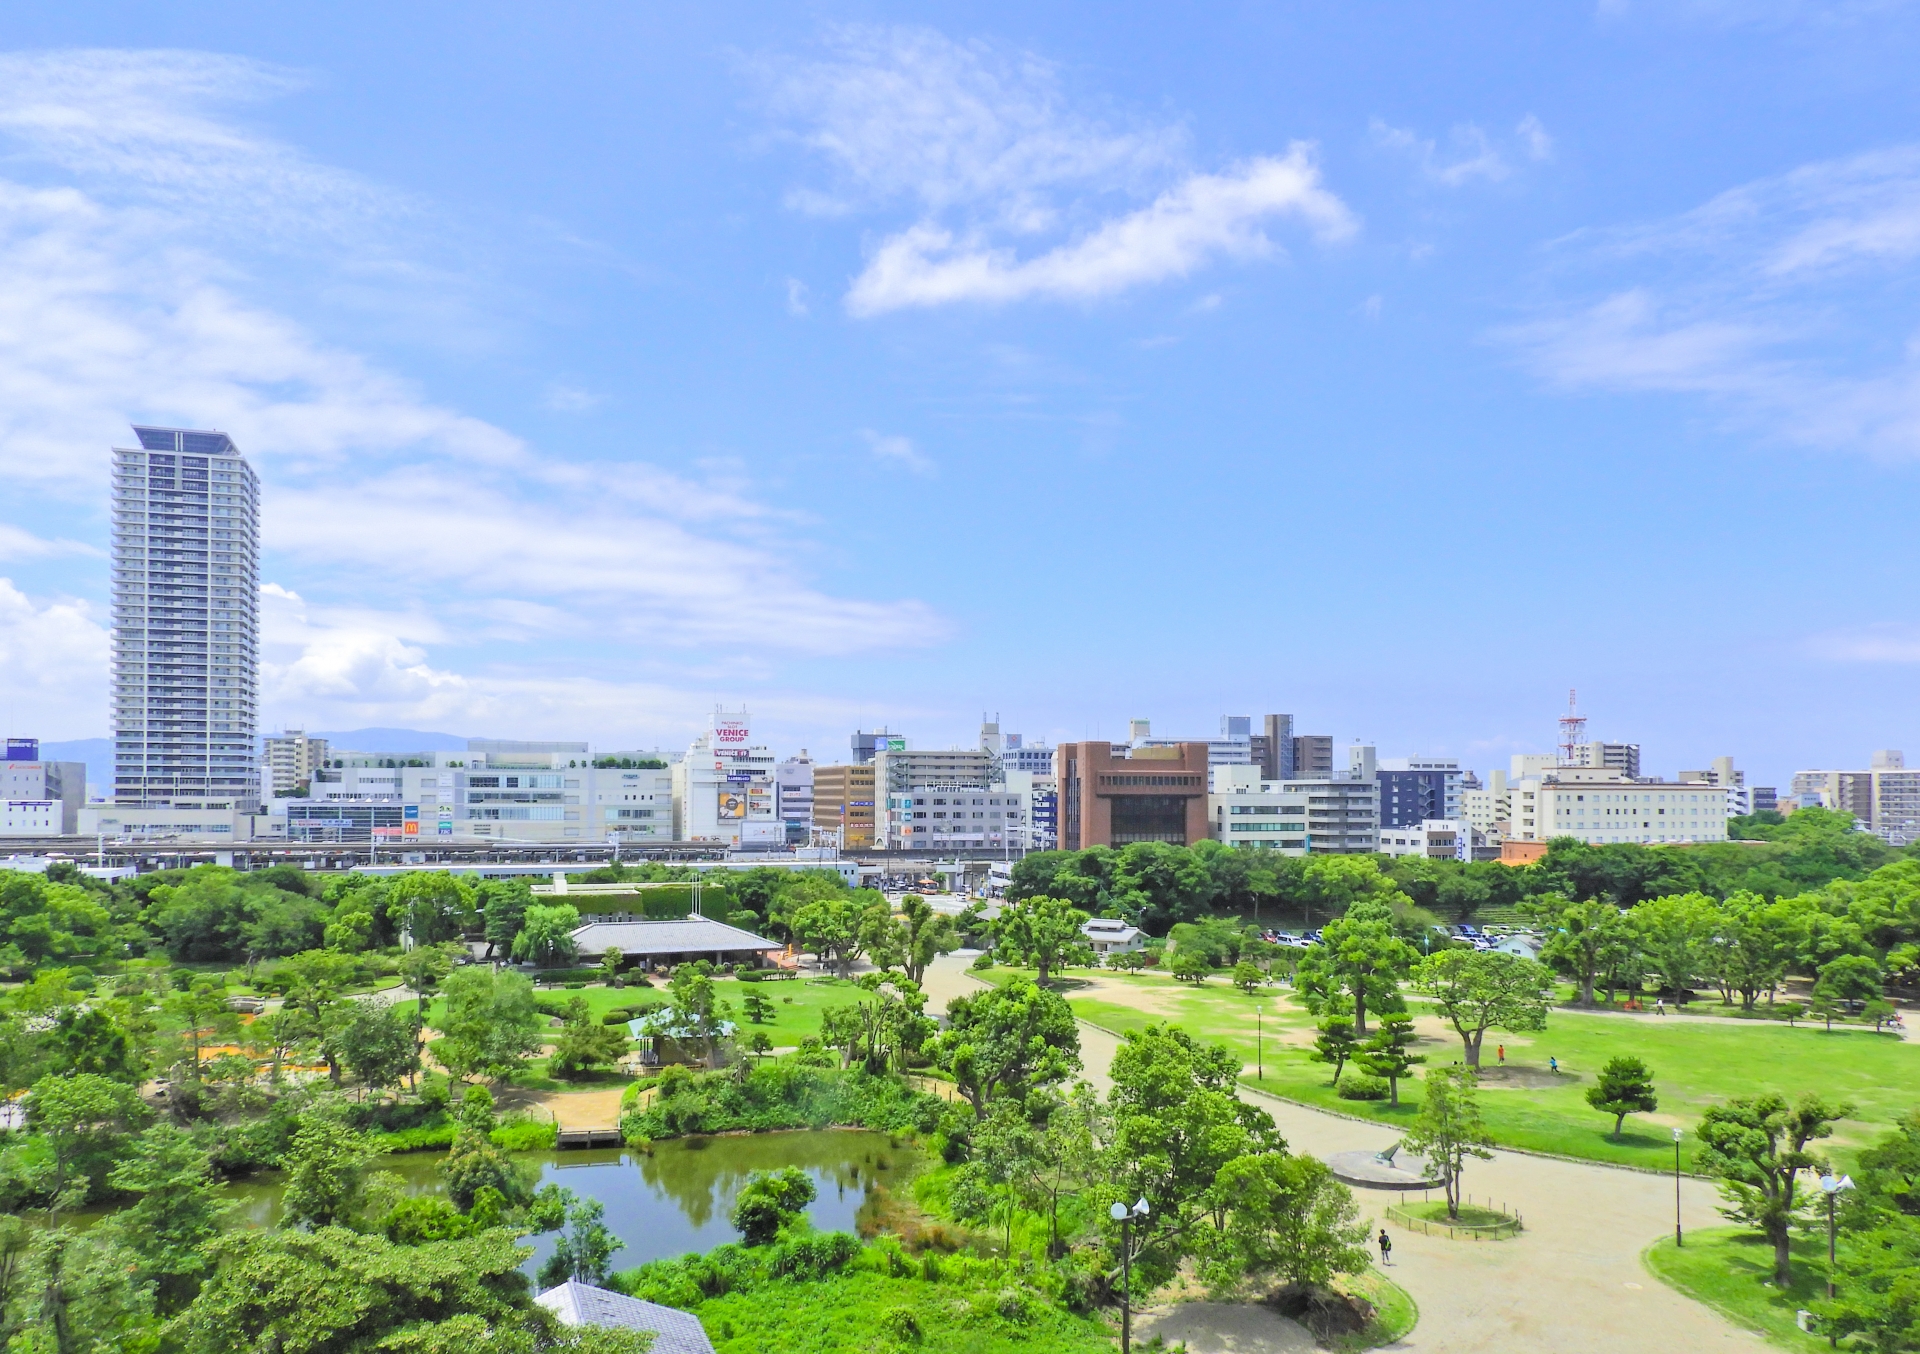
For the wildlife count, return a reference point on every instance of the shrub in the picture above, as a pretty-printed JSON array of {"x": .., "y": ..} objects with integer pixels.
[
  {"x": 518, "y": 1134},
  {"x": 619, "y": 1015},
  {"x": 900, "y": 1323},
  {"x": 1362, "y": 1088},
  {"x": 813, "y": 1257}
]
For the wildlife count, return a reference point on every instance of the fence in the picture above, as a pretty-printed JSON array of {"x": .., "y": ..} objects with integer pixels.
[{"x": 1485, "y": 1231}]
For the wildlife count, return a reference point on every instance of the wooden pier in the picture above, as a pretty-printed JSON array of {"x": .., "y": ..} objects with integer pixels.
[{"x": 588, "y": 1137}]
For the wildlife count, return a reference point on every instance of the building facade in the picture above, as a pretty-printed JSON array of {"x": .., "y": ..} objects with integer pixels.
[
  {"x": 1313, "y": 756},
  {"x": 1623, "y": 759},
  {"x": 289, "y": 760},
  {"x": 793, "y": 798},
  {"x": 723, "y": 789},
  {"x": 843, "y": 804},
  {"x": 1416, "y": 789},
  {"x": 1595, "y": 806},
  {"x": 41, "y": 799},
  {"x": 1273, "y": 747},
  {"x": 186, "y": 555},
  {"x": 1110, "y": 797},
  {"x": 1884, "y": 798}
]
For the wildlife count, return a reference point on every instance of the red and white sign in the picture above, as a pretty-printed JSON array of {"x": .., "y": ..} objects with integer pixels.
[{"x": 730, "y": 733}]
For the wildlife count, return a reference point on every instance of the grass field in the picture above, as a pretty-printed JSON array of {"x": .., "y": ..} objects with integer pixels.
[
  {"x": 1695, "y": 1064},
  {"x": 1730, "y": 1269},
  {"x": 796, "y": 1003}
]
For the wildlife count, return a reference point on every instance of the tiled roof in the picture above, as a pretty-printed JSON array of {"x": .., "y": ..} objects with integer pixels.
[
  {"x": 581, "y": 1304},
  {"x": 689, "y": 935}
]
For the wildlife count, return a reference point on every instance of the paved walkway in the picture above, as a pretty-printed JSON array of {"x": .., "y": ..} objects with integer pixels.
[{"x": 1572, "y": 1283}]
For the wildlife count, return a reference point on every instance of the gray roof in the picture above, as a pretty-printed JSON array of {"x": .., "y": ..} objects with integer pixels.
[
  {"x": 689, "y": 935},
  {"x": 580, "y": 1304}
]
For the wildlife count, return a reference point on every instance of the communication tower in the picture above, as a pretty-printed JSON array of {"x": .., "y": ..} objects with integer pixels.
[{"x": 1573, "y": 728}]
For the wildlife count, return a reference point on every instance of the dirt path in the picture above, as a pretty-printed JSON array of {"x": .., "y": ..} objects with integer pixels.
[{"x": 1572, "y": 1283}]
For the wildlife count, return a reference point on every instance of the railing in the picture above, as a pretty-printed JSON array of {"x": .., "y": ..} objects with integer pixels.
[{"x": 1486, "y": 1231}]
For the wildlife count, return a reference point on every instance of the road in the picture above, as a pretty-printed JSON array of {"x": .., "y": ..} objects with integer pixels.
[{"x": 1571, "y": 1283}]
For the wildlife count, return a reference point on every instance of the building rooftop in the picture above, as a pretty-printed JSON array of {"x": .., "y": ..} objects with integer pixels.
[
  {"x": 581, "y": 1304},
  {"x": 689, "y": 935}
]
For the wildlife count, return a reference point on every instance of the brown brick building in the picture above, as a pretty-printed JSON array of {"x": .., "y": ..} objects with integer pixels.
[
  {"x": 843, "y": 800},
  {"x": 1156, "y": 795}
]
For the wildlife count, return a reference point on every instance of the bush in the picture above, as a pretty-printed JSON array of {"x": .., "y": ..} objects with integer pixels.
[
  {"x": 900, "y": 1323},
  {"x": 518, "y": 1134},
  {"x": 619, "y": 1015},
  {"x": 813, "y": 1257},
  {"x": 787, "y": 1093},
  {"x": 1362, "y": 1088}
]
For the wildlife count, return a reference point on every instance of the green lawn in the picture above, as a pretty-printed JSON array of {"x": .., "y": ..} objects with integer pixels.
[
  {"x": 796, "y": 1003},
  {"x": 1730, "y": 1269},
  {"x": 1695, "y": 1064}
]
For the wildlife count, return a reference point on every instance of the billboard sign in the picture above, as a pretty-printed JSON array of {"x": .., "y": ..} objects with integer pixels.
[
  {"x": 731, "y": 807},
  {"x": 890, "y": 745},
  {"x": 730, "y": 733}
]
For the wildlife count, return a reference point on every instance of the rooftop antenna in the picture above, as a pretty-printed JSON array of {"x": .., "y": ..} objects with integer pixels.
[{"x": 1573, "y": 728}]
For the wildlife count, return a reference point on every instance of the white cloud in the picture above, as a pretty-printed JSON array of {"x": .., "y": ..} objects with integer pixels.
[
  {"x": 566, "y": 399},
  {"x": 1768, "y": 299},
  {"x": 1470, "y": 153},
  {"x": 1197, "y": 220},
  {"x": 899, "y": 450},
  {"x": 796, "y": 298},
  {"x": 985, "y": 143},
  {"x": 1888, "y": 643},
  {"x": 18, "y": 544},
  {"x": 53, "y": 665},
  {"x": 1533, "y": 135}
]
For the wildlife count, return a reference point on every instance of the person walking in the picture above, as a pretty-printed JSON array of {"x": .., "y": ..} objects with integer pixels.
[
  {"x": 1553, "y": 1066},
  {"x": 1501, "y": 1049},
  {"x": 1386, "y": 1247},
  {"x": 1659, "y": 1005}
]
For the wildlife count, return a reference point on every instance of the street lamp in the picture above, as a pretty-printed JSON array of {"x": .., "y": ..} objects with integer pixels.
[
  {"x": 1677, "y": 1241},
  {"x": 1259, "y": 1047},
  {"x": 1123, "y": 1215},
  {"x": 1832, "y": 1188}
]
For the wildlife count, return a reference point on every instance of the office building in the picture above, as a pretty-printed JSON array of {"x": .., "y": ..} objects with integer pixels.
[
  {"x": 1438, "y": 839},
  {"x": 723, "y": 789},
  {"x": 1036, "y": 758},
  {"x": 1317, "y": 816},
  {"x": 1115, "y": 796},
  {"x": 39, "y": 798},
  {"x": 1623, "y": 759},
  {"x": 1595, "y": 805},
  {"x": 1884, "y": 798},
  {"x": 898, "y": 768},
  {"x": 793, "y": 797},
  {"x": 1234, "y": 746},
  {"x": 866, "y": 744},
  {"x": 1416, "y": 789},
  {"x": 843, "y": 804},
  {"x": 186, "y": 552},
  {"x": 289, "y": 761},
  {"x": 1488, "y": 809},
  {"x": 1766, "y": 799},
  {"x": 1273, "y": 747},
  {"x": 950, "y": 816},
  {"x": 1313, "y": 756}
]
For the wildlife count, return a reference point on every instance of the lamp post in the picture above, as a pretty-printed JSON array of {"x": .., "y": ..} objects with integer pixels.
[
  {"x": 1123, "y": 1215},
  {"x": 1832, "y": 1188},
  {"x": 1259, "y": 1047},
  {"x": 1677, "y": 1240}
]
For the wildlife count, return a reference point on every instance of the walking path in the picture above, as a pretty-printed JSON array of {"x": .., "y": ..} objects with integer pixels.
[{"x": 1571, "y": 1283}]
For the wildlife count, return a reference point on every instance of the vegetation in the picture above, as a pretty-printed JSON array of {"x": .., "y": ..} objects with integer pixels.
[{"x": 1624, "y": 1086}]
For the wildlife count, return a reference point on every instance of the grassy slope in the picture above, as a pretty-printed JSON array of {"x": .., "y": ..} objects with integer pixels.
[
  {"x": 1731, "y": 1269},
  {"x": 844, "y": 1315},
  {"x": 1695, "y": 1064}
]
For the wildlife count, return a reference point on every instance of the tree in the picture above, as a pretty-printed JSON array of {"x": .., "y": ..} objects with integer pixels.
[
  {"x": 769, "y": 1201},
  {"x": 1625, "y": 1086},
  {"x": 611, "y": 959},
  {"x": 1751, "y": 946},
  {"x": 546, "y": 935},
  {"x": 473, "y": 1165},
  {"x": 585, "y": 1043},
  {"x": 1335, "y": 1044},
  {"x": 1479, "y": 990},
  {"x": 204, "y": 1018},
  {"x": 1248, "y": 977},
  {"x": 430, "y": 906},
  {"x": 697, "y": 1013},
  {"x": 1006, "y": 1041},
  {"x": 1359, "y": 956},
  {"x": 1286, "y": 1220},
  {"x": 839, "y": 928},
  {"x": 1878, "y": 1297},
  {"x": 88, "y": 1039},
  {"x": 315, "y": 981},
  {"x": 582, "y": 1251},
  {"x": 1676, "y": 932},
  {"x": 1449, "y": 1128},
  {"x": 424, "y": 968},
  {"x": 504, "y": 904},
  {"x": 1578, "y": 936},
  {"x": 327, "y": 1168},
  {"x": 1190, "y": 966},
  {"x": 1756, "y": 1146},
  {"x": 1045, "y": 932},
  {"x": 1850, "y": 978},
  {"x": 926, "y": 934},
  {"x": 1389, "y": 1053},
  {"x": 491, "y": 1023},
  {"x": 178, "y": 1207},
  {"x": 756, "y": 1008},
  {"x": 84, "y": 1118},
  {"x": 1058, "y": 1156},
  {"x": 379, "y": 1044}
]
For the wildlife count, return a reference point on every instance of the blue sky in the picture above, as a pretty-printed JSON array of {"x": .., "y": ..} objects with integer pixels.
[{"x": 1397, "y": 367}]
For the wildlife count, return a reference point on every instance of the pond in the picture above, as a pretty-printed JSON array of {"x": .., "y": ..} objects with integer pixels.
[{"x": 678, "y": 1197}]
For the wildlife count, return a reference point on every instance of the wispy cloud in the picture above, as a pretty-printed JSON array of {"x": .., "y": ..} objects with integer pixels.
[
  {"x": 1888, "y": 643},
  {"x": 900, "y": 451},
  {"x": 53, "y": 664},
  {"x": 1469, "y": 154},
  {"x": 985, "y": 144},
  {"x": 1767, "y": 299}
]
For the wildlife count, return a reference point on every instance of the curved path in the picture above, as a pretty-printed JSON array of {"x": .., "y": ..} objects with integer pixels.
[{"x": 1572, "y": 1283}]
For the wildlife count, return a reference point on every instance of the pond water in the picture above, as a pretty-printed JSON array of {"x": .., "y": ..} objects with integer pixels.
[{"x": 678, "y": 1197}]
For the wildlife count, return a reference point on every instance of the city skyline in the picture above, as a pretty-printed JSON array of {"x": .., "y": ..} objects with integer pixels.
[{"x": 874, "y": 374}]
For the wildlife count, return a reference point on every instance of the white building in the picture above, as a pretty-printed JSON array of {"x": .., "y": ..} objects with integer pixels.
[
  {"x": 723, "y": 789},
  {"x": 186, "y": 586},
  {"x": 1488, "y": 808},
  {"x": 1109, "y": 935},
  {"x": 1884, "y": 798},
  {"x": 793, "y": 797},
  {"x": 1234, "y": 746},
  {"x": 43, "y": 799},
  {"x": 1438, "y": 839},
  {"x": 1596, "y": 806},
  {"x": 289, "y": 760},
  {"x": 949, "y": 816},
  {"x": 1297, "y": 817}
]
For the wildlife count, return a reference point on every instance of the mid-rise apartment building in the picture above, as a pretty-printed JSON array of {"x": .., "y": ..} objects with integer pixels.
[
  {"x": 1234, "y": 746},
  {"x": 1596, "y": 806},
  {"x": 793, "y": 798},
  {"x": 1438, "y": 839},
  {"x": 289, "y": 761},
  {"x": 1488, "y": 808},
  {"x": 186, "y": 554},
  {"x": 1884, "y": 798},
  {"x": 1416, "y": 789},
  {"x": 1623, "y": 759},
  {"x": 843, "y": 804},
  {"x": 1298, "y": 817},
  {"x": 1313, "y": 756}
]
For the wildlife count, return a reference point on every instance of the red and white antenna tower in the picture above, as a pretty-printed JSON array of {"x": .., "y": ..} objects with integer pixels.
[{"x": 1573, "y": 728}]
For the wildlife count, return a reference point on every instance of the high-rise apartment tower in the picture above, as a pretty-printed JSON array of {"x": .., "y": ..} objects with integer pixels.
[{"x": 186, "y": 622}]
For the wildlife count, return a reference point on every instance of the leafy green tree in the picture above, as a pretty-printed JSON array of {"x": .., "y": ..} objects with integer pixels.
[
  {"x": 1878, "y": 1296},
  {"x": 1677, "y": 933},
  {"x": 1756, "y": 1146},
  {"x": 839, "y": 928},
  {"x": 88, "y": 1039},
  {"x": 1190, "y": 966},
  {"x": 611, "y": 959},
  {"x": 1389, "y": 1053},
  {"x": 1248, "y": 977},
  {"x": 1752, "y": 944},
  {"x": 178, "y": 1208},
  {"x": 423, "y": 968},
  {"x": 204, "y": 1019},
  {"x": 1359, "y": 957},
  {"x": 1890, "y": 1169},
  {"x": 584, "y": 1249},
  {"x": 1045, "y": 932},
  {"x": 756, "y": 1008},
  {"x": 379, "y": 1044},
  {"x": 1050, "y": 1151},
  {"x": 1286, "y": 1220},
  {"x": 327, "y": 1169},
  {"x": 316, "y": 983},
  {"x": 770, "y": 1201},
  {"x": 1007, "y": 1041},
  {"x": 1335, "y": 1044},
  {"x": 86, "y": 1120},
  {"x": 491, "y": 1023},
  {"x": 697, "y": 1013},
  {"x": 473, "y": 1165},
  {"x": 1449, "y": 1128},
  {"x": 504, "y": 904},
  {"x": 546, "y": 934},
  {"x": 926, "y": 934},
  {"x": 1479, "y": 990},
  {"x": 1850, "y": 978},
  {"x": 1625, "y": 1086},
  {"x": 585, "y": 1043},
  {"x": 430, "y": 906},
  {"x": 1578, "y": 936},
  {"x": 76, "y": 1292}
]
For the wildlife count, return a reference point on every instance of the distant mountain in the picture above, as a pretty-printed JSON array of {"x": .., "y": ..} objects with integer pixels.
[{"x": 393, "y": 740}]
